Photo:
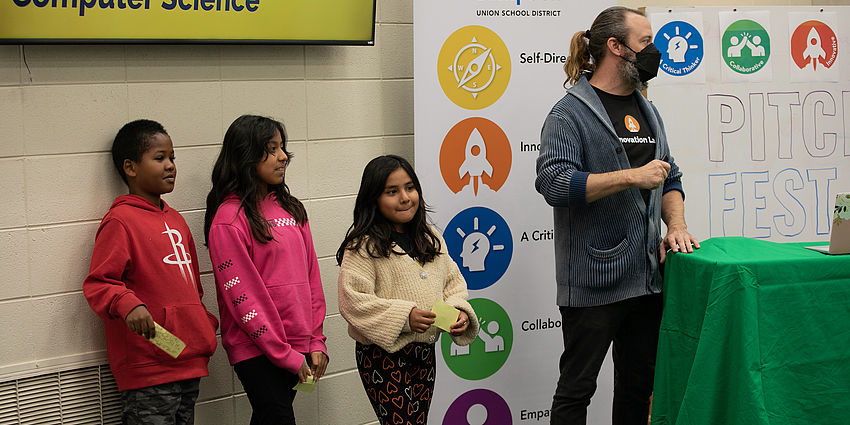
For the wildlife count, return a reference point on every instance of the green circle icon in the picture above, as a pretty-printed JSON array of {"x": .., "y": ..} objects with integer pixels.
[
  {"x": 490, "y": 350},
  {"x": 746, "y": 46}
]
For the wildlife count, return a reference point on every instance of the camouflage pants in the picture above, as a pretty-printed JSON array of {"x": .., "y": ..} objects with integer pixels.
[{"x": 172, "y": 403}]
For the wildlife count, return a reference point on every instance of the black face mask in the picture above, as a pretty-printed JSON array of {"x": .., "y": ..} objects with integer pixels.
[{"x": 646, "y": 61}]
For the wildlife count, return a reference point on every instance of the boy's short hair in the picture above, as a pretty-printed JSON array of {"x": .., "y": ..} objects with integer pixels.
[{"x": 133, "y": 140}]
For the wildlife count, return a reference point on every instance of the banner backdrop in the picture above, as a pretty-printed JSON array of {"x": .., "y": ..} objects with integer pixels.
[
  {"x": 762, "y": 142},
  {"x": 487, "y": 72},
  {"x": 255, "y": 21}
]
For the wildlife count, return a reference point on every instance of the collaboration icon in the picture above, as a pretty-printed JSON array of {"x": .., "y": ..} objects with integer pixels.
[
  {"x": 814, "y": 46},
  {"x": 478, "y": 407},
  {"x": 480, "y": 242},
  {"x": 746, "y": 46},
  {"x": 681, "y": 46},
  {"x": 490, "y": 350},
  {"x": 475, "y": 156},
  {"x": 474, "y": 67}
]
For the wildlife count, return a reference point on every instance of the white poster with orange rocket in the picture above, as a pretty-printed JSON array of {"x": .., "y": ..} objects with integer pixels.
[{"x": 813, "y": 46}]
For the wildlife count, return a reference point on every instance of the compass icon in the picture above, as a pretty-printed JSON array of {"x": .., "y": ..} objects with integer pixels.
[
  {"x": 473, "y": 67},
  {"x": 483, "y": 60}
]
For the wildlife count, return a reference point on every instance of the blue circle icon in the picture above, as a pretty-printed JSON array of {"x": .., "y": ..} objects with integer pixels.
[
  {"x": 681, "y": 48},
  {"x": 480, "y": 242}
]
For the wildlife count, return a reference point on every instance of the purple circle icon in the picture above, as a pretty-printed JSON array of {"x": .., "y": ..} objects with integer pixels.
[{"x": 478, "y": 407}]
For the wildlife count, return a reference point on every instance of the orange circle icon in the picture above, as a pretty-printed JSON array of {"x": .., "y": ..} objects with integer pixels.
[
  {"x": 814, "y": 43},
  {"x": 632, "y": 124},
  {"x": 477, "y": 153}
]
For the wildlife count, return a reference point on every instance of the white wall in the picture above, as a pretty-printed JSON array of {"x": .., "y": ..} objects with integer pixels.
[{"x": 60, "y": 107}]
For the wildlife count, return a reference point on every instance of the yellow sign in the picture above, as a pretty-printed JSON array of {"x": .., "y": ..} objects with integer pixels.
[
  {"x": 474, "y": 67},
  {"x": 446, "y": 315},
  {"x": 307, "y": 387},
  {"x": 167, "y": 341},
  {"x": 245, "y": 21}
]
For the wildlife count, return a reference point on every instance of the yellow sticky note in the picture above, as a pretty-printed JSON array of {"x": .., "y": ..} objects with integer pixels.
[
  {"x": 167, "y": 341},
  {"x": 446, "y": 315},
  {"x": 308, "y": 386}
]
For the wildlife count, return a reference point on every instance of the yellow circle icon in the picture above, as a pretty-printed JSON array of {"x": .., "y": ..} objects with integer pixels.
[{"x": 474, "y": 67}]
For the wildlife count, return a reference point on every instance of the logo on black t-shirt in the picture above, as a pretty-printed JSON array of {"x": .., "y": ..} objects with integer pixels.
[{"x": 632, "y": 124}]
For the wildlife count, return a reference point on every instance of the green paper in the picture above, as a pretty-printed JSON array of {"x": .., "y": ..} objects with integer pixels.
[
  {"x": 307, "y": 387},
  {"x": 446, "y": 315}
]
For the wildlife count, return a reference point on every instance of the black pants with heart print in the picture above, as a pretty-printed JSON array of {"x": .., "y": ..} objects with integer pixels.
[{"x": 400, "y": 384}]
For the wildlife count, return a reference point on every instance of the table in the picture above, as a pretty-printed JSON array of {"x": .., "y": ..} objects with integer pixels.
[{"x": 754, "y": 332}]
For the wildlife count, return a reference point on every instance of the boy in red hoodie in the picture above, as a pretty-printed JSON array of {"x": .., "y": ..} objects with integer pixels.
[{"x": 144, "y": 269}]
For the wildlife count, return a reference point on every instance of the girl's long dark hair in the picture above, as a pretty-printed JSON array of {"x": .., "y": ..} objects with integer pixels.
[
  {"x": 235, "y": 172},
  {"x": 372, "y": 229}
]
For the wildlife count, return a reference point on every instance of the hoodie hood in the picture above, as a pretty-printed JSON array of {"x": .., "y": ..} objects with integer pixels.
[{"x": 139, "y": 202}]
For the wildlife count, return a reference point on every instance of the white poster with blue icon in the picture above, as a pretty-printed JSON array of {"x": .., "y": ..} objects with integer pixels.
[
  {"x": 487, "y": 72},
  {"x": 678, "y": 36}
]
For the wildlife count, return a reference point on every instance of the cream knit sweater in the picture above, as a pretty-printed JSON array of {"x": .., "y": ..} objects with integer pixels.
[{"x": 377, "y": 294}]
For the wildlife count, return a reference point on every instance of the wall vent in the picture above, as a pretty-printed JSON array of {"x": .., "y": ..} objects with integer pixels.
[{"x": 84, "y": 396}]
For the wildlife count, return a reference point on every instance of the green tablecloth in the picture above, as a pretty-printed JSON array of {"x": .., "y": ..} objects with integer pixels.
[{"x": 754, "y": 332}]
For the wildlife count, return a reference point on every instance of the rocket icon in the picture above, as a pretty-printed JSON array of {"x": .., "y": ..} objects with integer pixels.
[
  {"x": 475, "y": 162},
  {"x": 813, "y": 51}
]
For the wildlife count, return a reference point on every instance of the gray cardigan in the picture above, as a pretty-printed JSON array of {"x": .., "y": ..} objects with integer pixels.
[{"x": 605, "y": 251}]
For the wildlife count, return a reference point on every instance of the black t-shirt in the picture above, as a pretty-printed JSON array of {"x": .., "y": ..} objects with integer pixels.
[{"x": 632, "y": 129}]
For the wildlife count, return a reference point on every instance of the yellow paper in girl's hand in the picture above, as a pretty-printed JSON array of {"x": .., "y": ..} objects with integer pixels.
[
  {"x": 446, "y": 315},
  {"x": 307, "y": 386},
  {"x": 167, "y": 341}
]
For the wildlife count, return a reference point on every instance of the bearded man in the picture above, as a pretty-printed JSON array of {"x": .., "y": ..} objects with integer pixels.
[{"x": 606, "y": 168}]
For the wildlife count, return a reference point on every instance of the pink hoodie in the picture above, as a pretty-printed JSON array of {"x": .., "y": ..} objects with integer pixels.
[{"x": 269, "y": 294}]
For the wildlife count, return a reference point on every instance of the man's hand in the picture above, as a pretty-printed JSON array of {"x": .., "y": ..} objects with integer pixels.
[
  {"x": 650, "y": 176},
  {"x": 677, "y": 240},
  {"x": 139, "y": 321},
  {"x": 420, "y": 320}
]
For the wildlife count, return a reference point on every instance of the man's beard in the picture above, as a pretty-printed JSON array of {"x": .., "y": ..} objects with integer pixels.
[{"x": 629, "y": 74}]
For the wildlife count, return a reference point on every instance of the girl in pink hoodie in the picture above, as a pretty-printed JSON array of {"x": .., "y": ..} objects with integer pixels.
[{"x": 267, "y": 276}]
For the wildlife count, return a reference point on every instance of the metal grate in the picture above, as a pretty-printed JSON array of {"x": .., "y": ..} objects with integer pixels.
[{"x": 70, "y": 397}]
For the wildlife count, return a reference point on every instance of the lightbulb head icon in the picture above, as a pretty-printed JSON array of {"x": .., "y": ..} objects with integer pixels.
[
  {"x": 479, "y": 241},
  {"x": 683, "y": 44},
  {"x": 476, "y": 246},
  {"x": 676, "y": 48}
]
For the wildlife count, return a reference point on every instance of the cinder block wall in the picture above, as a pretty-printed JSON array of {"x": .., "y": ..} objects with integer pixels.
[{"x": 60, "y": 107}]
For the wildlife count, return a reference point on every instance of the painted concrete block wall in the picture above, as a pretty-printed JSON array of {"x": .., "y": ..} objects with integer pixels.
[{"x": 60, "y": 107}]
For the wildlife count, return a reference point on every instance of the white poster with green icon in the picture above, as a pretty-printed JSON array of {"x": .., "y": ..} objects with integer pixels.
[{"x": 745, "y": 45}]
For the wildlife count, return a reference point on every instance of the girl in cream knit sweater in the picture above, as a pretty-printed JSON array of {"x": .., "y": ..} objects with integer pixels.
[{"x": 393, "y": 268}]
